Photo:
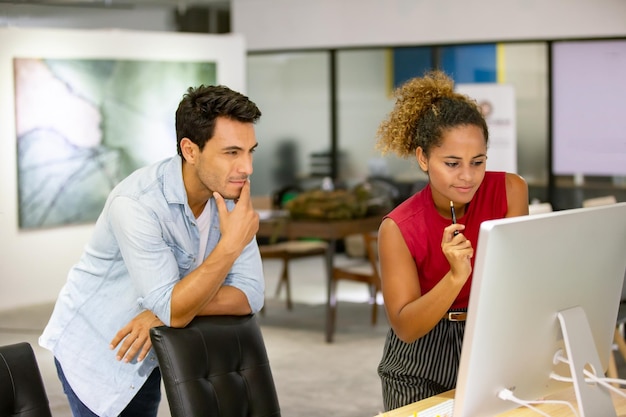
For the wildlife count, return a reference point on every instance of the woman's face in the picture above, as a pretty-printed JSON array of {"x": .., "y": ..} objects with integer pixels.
[{"x": 457, "y": 167}]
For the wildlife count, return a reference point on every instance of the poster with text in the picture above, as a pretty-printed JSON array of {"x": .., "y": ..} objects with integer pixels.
[{"x": 497, "y": 102}]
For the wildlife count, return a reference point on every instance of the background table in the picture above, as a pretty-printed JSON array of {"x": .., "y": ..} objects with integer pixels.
[{"x": 279, "y": 225}]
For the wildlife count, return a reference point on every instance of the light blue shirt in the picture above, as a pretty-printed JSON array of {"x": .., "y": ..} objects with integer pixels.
[{"x": 145, "y": 240}]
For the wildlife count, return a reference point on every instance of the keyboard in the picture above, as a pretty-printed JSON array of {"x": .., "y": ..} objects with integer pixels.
[{"x": 443, "y": 409}]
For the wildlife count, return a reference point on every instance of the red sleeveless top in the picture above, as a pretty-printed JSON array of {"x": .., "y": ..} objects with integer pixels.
[{"x": 422, "y": 227}]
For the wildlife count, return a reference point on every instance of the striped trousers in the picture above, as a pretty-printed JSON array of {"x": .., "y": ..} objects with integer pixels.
[{"x": 410, "y": 372}]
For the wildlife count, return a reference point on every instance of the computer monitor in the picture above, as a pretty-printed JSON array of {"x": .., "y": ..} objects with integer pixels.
[{"x": 527, "y": 270}]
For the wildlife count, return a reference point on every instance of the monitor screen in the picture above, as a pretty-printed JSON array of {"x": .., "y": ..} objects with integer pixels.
[
  {"x": 588, "y": 88},
  {"x": 528, "y": 269}
]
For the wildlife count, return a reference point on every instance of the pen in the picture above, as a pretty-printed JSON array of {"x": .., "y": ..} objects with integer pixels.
[{"x": 456, "y": 232}]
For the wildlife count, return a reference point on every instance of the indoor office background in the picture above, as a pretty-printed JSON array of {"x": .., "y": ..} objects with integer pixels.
[
  {"x": 322, "y": 72},
  {"x": 322, "y": 105},
  {"x": 294, "y": 89},
  {"x": 311, "y": 98}
]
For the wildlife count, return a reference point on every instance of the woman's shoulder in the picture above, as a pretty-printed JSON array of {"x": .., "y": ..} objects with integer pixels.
[
  {"x": 516, "y": 195},
  {"x": 514, "y": 181},
  {"x": 510, "y": 178},
  {"x": 412, "y": 206}
]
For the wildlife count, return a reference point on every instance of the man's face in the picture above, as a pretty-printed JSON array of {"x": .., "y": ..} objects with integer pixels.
[{"x": 225, "y": 163}]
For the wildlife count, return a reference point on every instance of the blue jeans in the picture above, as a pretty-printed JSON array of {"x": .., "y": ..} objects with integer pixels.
[{"x": 144, "y": 404}]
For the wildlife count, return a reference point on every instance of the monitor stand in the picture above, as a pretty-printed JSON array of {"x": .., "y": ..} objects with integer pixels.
[{"x": 593, "y": 399}]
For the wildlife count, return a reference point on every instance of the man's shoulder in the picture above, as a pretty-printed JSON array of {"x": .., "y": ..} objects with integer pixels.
[{"x": 145, "y": 181}]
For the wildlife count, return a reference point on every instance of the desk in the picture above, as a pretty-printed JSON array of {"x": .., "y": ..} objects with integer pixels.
[
  {"x": 554, "y": 410},
  {"x": 273, "y": 226}
]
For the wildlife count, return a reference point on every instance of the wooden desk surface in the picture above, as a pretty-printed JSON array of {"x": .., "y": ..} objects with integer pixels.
[{"x": 554, "y": 410}]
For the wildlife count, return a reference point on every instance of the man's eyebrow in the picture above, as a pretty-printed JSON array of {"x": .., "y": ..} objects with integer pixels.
[
  {"x": 238, "y": 148},
  {"x": 232, "y": 148}
]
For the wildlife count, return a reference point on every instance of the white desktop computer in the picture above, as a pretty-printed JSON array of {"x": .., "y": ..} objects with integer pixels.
[{"x": 544, "y": 286}]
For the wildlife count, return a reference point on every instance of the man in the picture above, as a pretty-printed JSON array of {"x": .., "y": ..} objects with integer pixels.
[{"x": 175, "y": 240}]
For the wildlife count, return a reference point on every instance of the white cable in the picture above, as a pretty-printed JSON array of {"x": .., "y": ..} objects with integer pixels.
[
  {"x": 591, "y": 377},
  {"x": 615, "y": 380},
  {"x": 507, "y": 395},
  {"x": 603, "y": 381},
  {"x": 558, "y": 357}
]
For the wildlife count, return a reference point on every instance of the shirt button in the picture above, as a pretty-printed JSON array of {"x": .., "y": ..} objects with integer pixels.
[{"x": 132, "y": 387}]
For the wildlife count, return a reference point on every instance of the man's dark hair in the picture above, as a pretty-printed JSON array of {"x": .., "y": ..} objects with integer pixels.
[{"x": 201, "y": 106}]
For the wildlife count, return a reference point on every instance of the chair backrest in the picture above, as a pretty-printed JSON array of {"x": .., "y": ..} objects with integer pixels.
[
  {"x": 22, "y": 392},
  {"x": 217, "y": 366},
  {"x": 539, "y": 208},
  {"x": 599, "y": 201}
]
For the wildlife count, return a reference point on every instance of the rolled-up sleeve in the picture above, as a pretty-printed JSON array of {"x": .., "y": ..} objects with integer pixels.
[
  {"x": 150, "y": 261},
  {"x": 247, "y": 275}
]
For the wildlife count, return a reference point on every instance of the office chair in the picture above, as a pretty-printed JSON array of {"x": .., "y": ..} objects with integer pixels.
[
  {"x": 365, "y": 271},
  {"x": 22, "y": 392},
  {"x": 216, "y": 366}
]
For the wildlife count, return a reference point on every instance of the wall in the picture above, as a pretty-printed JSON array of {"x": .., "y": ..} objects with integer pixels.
[
  {"x": 34, "y": 263},
  {"x": 39, "y": 16},
  {"x": 297, "y": 24}
]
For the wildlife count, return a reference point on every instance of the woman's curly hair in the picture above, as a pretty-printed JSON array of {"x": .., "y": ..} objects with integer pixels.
[{"x": 425, "y": 107}]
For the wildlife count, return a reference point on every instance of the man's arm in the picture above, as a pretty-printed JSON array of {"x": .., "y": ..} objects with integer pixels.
[
  {"x": 201, "y": 292},
  {"x": 227, "y": 301},
  {"x": 194, "y": 292}
]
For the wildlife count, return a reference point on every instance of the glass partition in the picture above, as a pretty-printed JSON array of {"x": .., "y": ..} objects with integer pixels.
[{"x": 293, "y": 92}]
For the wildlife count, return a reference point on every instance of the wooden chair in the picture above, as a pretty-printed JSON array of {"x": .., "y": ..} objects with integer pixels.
[
  {"x": 539, "y": 208},
  {"x": 365, "y": 271},
  {"x": 599, "y": 201},
  {"x": 288, "y": 250}
]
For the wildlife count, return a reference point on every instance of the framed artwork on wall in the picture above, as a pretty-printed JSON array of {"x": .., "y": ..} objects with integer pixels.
[{"x": 82, "y": 125}]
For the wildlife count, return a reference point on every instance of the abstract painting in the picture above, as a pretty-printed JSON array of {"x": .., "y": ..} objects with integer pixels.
[{"x": 82, "y": 125}]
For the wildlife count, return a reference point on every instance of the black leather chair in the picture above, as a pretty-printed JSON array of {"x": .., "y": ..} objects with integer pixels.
[
  {"x": 217, "y": 366},
  {"x": 22, "y": 392}
]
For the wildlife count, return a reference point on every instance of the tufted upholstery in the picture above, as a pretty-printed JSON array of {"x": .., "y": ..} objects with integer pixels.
[
  {"x": 22, "y": 392},
  {"x": 217, "y": 366}
]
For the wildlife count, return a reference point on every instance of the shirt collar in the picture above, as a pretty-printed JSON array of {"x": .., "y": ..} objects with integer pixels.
[{"x": 173, "y": 184}]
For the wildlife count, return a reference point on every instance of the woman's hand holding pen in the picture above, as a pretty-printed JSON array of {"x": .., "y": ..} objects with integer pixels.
[{"x": 458, "y": 251}]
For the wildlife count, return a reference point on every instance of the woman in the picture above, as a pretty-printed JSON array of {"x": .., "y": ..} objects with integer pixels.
[{"x": 426, "y": 258}]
